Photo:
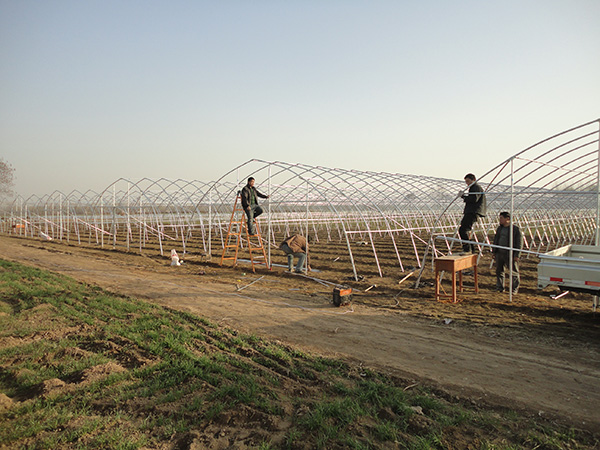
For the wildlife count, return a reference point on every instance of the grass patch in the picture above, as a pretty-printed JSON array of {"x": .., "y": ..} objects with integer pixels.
[{"x": 80, "y": 368}]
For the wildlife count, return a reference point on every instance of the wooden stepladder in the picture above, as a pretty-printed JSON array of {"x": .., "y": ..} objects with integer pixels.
[{"x": 237, "y": 228}]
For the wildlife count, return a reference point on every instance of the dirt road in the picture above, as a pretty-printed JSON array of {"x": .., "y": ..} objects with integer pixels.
[{"x": 543, "y": 374}]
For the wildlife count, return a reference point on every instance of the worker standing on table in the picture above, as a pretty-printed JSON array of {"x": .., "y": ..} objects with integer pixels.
[
  {"x": 475, "y": 207},
  {"x": 295, "y": 245},
  {"x": 502, "y": 255},
  {"x": 250, "y": 204}
]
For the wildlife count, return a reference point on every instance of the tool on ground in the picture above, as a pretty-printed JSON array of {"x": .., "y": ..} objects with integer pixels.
[
  {"x": 406, "y": 277},
  {"x": 342, "y": 295},
  {"x": 556, "y": 297}
]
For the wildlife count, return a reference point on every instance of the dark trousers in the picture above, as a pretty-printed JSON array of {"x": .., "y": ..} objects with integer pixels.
[
  {"x": 253, "y": 213},
  {"x": 502, "y": 263},
  {"x": 466, "y": 225}
]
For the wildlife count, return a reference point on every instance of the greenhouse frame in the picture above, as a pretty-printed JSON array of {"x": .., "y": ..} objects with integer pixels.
[{"x": 551, "y": 188}]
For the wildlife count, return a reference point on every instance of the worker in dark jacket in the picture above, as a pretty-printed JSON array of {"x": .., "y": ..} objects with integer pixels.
[
  {"x": 502, "y": 255},
  {"x": 249, "y": 196},
  {"x": 475, "y": 207}
]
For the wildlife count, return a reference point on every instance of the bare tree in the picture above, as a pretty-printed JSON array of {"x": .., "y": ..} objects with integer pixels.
[{"x": 7, "y": 178}]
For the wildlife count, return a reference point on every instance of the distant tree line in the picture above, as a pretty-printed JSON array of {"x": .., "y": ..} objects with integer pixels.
[{"x": 7, "y": 179}]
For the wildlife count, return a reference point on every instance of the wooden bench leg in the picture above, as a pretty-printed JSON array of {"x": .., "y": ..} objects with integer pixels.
[{"x": 454, "y": 300}]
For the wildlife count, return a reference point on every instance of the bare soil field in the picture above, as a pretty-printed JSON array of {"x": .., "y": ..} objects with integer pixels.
[{"x": 537, "y": 355}]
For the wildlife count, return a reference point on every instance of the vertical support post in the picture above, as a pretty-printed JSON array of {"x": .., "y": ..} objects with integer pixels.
[
  {"x": 306, "y": 233},
  {"x": 51, "y": 215},
  {"x": 598, "y": 191},
  {"x": 114, "y": 218},
  {"x": 76, "y": 225},
  {"x": 598, "y": 207},
  {"x": 209, "y": 255},
  {"x": 350, "y": 253},
  {"x": 510, "y": 233},
  {"x": 67, "y": 221},
  {"x": 128, "y": 212},
  {"x": 269, "y": 219},
  {"x": 102, "y": 221},
  {"x": 182, "y": 220},
  {"x": 140, "y": 221},
  {"x": 60, "y": 218},
  {"x": 160, "y": 231}
]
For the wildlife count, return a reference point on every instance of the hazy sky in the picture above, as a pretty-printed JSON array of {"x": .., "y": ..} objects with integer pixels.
[{"x": 91, "y": 91}]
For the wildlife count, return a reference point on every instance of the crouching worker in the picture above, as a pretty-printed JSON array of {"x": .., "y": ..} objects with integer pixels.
[
  {"x": 502, "y": 255},
  {"x": 295, "y": 245}
]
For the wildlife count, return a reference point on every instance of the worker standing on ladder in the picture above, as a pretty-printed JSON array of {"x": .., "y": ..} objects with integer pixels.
[
  {"x": 250, "y": 204},
  {"x": 475, "y": 207}
]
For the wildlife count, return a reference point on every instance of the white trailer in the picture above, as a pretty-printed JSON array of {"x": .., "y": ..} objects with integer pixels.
[{"x": 572, "y": 268}]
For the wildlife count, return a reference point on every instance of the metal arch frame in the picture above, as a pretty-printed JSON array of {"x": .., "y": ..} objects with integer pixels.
[
  {"x": 344, "y": 194},
  {"x": 328, "y": 190},
  {"x": 541, "y": 165},
  {"x": 563, "y": 170},
  {"x": 423, "y": 180},
  {"x": 543, "y": 141},
  {"x": 135, "y": 185},
  {"x": 282, "y": 168},
  {"x": 172, "y": 199},
  {"x": 369, "y": 204},
  {"x": 301, "y": 176},
  {"x": 556, "y": 174},
  {"x": 360, "y": 203},
  {"x": 150, "y": 202},
  {"x": 321, "y": 180}
]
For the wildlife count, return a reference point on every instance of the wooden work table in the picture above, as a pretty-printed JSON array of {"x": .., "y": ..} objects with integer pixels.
[{"x": 454, "y": 264}]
